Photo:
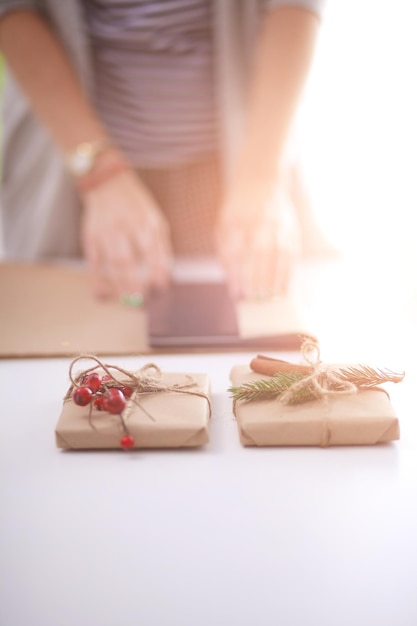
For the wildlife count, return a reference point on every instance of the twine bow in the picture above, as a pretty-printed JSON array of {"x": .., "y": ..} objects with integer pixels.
[
  {"x": 324, "y": 380},
  {"x": 144, "y": 381},
  {"x": 147, "y": 380}
]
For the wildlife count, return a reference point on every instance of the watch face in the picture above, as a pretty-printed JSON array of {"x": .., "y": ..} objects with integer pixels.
[{"x": 81, "y": 161}]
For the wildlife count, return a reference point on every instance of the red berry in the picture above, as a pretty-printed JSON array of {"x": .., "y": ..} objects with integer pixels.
[
  {"x": 106, "y": 378},
  {"x": 127, "y": 391},
  {"x": 82, "y": 396},
  {"x": 127, "y": 442},
  {"x": 93, "y": 382},
  {"x": 99, "y": 403},
  {"x": 114, "y": 401}
]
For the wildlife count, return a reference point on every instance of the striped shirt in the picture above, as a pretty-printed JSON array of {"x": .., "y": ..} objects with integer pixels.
[
  {"x": 154, "y": 77},
  {"x": 154, "y": 66}
]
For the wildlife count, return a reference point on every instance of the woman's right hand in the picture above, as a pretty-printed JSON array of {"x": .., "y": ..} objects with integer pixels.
[{"x": 125, "y": 237}]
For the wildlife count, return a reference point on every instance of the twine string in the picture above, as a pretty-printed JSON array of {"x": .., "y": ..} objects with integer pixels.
[
  {"x": 146, "y": 380},
  {"x": 324, "y": 381}
]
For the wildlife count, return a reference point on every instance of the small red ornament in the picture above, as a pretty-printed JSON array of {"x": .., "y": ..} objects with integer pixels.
[
  {"x": 82, "y": 396},
  {"x": 127, "y": 442},
  {"x": 114, "y": 401},
  {"x": 93, "y": 381},
  {"x": 126, "y": 391},
  {"x": 99, "y": 403}
]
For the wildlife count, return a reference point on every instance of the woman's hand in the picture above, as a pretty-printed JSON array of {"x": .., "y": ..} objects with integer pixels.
[
  {"x": 257, "y": 239},
  {"x": 125, "y": 237}
]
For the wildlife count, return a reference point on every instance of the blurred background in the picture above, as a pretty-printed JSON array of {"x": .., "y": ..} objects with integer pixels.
[
  {"x": 358, "y": 126},
  {"x": 357, "y": 131}
]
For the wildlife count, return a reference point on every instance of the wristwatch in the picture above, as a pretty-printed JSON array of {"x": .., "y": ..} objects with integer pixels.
[{"x": 82, "y": 159}]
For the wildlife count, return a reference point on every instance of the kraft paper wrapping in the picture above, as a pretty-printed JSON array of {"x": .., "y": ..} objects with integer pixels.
[
  {"x": 179, "y": 419},
  {"x": 364, "y": 418}
]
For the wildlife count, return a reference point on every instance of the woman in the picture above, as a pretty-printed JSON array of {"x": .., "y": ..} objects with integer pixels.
[{"x": 130, "y": 128}]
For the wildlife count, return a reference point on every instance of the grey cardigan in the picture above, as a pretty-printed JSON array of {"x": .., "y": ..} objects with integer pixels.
[{"x": 38, "y": 201}]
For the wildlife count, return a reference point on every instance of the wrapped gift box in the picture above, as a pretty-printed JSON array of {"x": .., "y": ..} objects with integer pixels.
[
  {"x": 364, "y": 418},
  {"x": 157, "y": 419}
]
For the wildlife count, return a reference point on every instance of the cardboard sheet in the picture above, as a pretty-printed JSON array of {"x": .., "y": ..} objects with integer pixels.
[{"x": 48, "y": 310}]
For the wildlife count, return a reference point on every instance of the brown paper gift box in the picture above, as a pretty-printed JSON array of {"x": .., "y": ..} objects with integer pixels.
[
  {"x": 364, "y": 418},
  {"x": 179, "y": 419}
]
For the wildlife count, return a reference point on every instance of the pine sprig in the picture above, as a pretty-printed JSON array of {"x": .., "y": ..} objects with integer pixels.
[
  {"x": 267, "y": 388},
  {"x": 363, "y": 376},
  {"x": 366, "y": 377}
]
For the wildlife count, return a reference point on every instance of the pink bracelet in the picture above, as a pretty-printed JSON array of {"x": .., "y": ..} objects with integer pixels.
[{"x": 94, "y": 179}]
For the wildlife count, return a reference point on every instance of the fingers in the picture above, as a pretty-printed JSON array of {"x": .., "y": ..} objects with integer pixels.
[
  {"x": 113, "y": 267},
  {"x": 118, "y": 266},
  {"x": 98, "y": 278},
  {"x": 153, "y": 247},
  {"x": 257, "y": 262},
  {"x": 122, "y": 265},
  {"x": 230, "y": 245},
  {"x": 262, "y": 280},
  {"x": 125, "y": 239}
]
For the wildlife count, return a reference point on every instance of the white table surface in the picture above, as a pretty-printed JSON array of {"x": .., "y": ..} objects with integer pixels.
[{"x": 220, "y": 535}]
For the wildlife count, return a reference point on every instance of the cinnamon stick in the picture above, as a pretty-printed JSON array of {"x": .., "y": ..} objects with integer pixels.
[{"x": 269, "y": 367}]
